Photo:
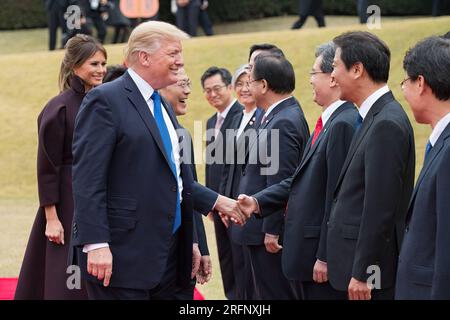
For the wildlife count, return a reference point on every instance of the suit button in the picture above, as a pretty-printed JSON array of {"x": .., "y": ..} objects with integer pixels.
[
  {"x": 174, "y": 188},
  {"x": 170, "y": 217},
  {"x": 335, "y": 200},
  {"x": 406, "y": 229}
]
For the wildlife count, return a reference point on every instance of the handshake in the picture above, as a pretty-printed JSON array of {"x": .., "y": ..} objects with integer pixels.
[{"x": 238, "y": 211}]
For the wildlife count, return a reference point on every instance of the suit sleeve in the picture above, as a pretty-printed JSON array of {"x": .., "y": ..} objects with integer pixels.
[
  {"x": 274, "y": 198},
  {"x": 202, "y": 241},
  {"x": 204, "y": 198},
  {"x": 93, "y": 146},
  {"x": 291, "y": 145},
  {"x": 385, "y": 163},
  {"x": 51, "y": 129},
  {"x": 340, "y": 138},
  {"x": 441, "y": 279}
]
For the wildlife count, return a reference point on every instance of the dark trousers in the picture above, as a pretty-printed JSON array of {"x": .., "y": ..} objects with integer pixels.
[
  {"x": 186, "y": 293},
  {"x": 321, "y": 291},
  {"x": 270, "y": 282},
  {"x": 205, "y": 22},
  {"x": 55, "y": 20},
  {"x": 187, "y": 17},
  {"x": 320, "y": 18},
  {"x": 165, "y": 290},
  {"x": 225, "y": 254},
  {"x": 436, "y": 8},
  {"x": 244, "y": 284},
  {"x": 362, "y": 10},
  {"x": 97, "y": 20}
]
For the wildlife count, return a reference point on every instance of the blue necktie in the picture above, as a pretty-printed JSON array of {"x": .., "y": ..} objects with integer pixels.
[
  {"x": 164, "y": 132},
  {"x": 358, "y": 123},
  {"x": 427, "y": 150}
]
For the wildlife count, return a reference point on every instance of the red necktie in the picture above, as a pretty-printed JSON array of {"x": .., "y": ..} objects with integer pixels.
[{"x": 319, "y": 126}]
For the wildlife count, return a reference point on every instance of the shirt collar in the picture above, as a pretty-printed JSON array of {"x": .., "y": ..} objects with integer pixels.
[
  {"x": 439, "y": 128},
  {"x": 273, "y": 106},
  {"x": 326, "y": 114},
  {"x": 143, "y": 86},
  {"x": 224, "y": 113},
  {"x": 369, "y": 102}
]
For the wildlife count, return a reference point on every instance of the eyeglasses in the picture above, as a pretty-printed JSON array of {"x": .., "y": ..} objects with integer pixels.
[
  {"x": 313, "y": 72},
  {"x": 184, "y": 84},
  {"x": 215, "y": 89},
  {"x": 248, "y": 83},
  {"x": 403, "y": 82}
]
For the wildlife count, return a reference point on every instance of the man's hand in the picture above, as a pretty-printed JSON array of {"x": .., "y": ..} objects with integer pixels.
[
  {"x": 183, "y": 3},
  {"x": 225, "y": 219},
  {"x": 99, "y": 264},
  {"x": 204, "y": 5},
  {"x": 271, "y": 243},
  {"x": 205, "y": 271},
  {"x": 358, "y": 290},
  {"x": 320, "y": 272},
  {"x": 195, "y": 259},
  {"x": 247, "y": 204},
  {"x": 230, "y": 208}
]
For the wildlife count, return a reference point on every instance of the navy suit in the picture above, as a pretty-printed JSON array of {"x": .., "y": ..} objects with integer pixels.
[
  {"x": 289, "y": 120},
  {"x": 244, "y": 284},
  {"x": 125, "y": 192},
  {"x": 308, "y": 195},
  {"x": 371, "y": 199},
  {"x": 424, "y": 263},
  {"x": 213, "y": 178}
]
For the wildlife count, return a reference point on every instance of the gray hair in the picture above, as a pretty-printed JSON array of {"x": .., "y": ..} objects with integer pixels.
[{"x": 327, "y": 51}]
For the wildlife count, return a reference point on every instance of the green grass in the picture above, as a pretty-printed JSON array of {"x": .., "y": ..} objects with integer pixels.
[{"x": 29, "y": 79}]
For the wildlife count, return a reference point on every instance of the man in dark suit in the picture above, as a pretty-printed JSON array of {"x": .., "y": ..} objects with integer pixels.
[
  {"x": 187, "y": 15},
  {"x": 424, "y": 263},
  {"x": 309, "y": 8},
  {"x": 361, "y": 8},
  {"x": 133, "y": 196},
  {"x": 271, "y": 156},
  {"x": 216, "y": 83},
  {"x": 373, "y": 190},
  {"x": 176, "y": 95},
  {"x": 308, "y": 193}
]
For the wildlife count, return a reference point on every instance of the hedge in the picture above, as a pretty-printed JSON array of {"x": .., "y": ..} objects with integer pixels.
[{"x": 22, "y": 14}]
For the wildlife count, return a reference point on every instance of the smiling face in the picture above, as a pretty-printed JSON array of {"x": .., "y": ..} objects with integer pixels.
[
  {"x": 343, "y": 77},
  {"x": 92, "y": 71},
  {"x": 242, "y": 91},
  {"x": 178, "y": 93},
  {"x": 218, "y": 94},
  {"x": 165, "y": 63},
  {"x": 320, "y": 82}
]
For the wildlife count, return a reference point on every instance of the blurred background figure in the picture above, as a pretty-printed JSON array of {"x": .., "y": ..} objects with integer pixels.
[
  {"x": 113, "y": 72},
  {"x": 203, "y": 18},
  {"x": 361, "y": 6},
  {"x": 187, "y": 15},
  {"x": 310, "y": 8},
  {"x": 43, "y": 273},
  {"x": 96, "y": 13},
  {"x": 436, "y": 9},
  {"x": 120, "y": 23},
  {"x": 56, "y": 10}
]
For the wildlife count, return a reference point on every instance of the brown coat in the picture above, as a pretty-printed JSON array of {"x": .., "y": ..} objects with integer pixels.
[{"x": 43, "y": 273}]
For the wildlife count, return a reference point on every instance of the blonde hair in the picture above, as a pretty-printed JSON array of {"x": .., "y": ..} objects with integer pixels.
[
  {"x": 78, "y": 49},
  {"x": 147, "y": 36}
]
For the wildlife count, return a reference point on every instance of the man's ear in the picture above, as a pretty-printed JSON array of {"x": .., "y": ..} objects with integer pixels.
[
  {"x": 265, "y": 86},
  {"x": 422, "y": 85},
  {"x": 333, "y": 82},
  {"x": 144, "y": 58},
  {"x": 357, "y": 70}
]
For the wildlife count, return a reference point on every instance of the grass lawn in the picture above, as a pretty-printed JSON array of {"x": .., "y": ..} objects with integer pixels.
[{"x": 29, "y": 79}]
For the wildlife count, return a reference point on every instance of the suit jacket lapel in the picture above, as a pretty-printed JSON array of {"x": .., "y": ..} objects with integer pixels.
[
  {"x": 427, "y": 164},
  {"x": 359, "y": 137},
  {"x": 144, "y": 111}
]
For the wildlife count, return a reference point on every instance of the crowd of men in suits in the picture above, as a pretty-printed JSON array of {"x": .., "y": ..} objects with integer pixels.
[{"x": 332, "y": 219}]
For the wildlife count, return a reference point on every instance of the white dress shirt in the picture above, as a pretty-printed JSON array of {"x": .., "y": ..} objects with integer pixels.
[
  {"x": 326, "y": 114},
  {"x": 439, "y": 128},
  {"x": 246, "y": 117},
  {"x": 146, "y": 91},
  {"x": 369, "y": 102}
]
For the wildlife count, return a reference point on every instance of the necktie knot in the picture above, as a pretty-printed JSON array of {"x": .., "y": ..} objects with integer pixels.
[
  {"x": 317, "y": 130},
  {"x": 359, "y": 121},
  {"x": 428, "y": 149}
]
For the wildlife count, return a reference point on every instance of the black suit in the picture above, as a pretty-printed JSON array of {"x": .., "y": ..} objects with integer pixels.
[
  {"x": 424, "y": 263},
  {"x": 371, "y": 198},
  {"x": 288, "y": 119},
  {"x": 213, "y": 177},
  {"x": 308, "y": 195},
  {"x": 118, "y": 154},
  {"x": 56, "y": 9},
  {"x": 244, "y": 284}
]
